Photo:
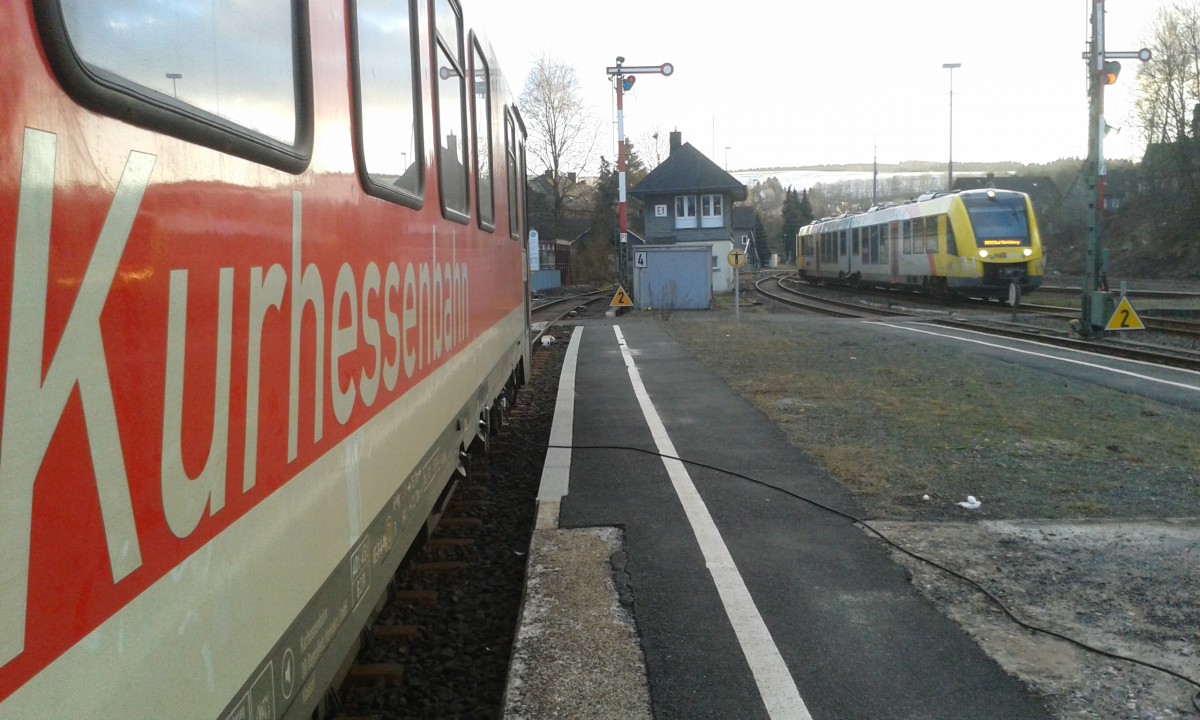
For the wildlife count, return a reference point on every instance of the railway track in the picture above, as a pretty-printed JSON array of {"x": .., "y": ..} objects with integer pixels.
[
  {"x": 1173, "y": 343},
  {"x": 548, "y": 311},
  {"x": 775, "y": 288},
  {"x": 439, "y": 646}
]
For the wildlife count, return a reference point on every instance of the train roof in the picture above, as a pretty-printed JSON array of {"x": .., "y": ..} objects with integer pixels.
[{"x": 937, "y": 199}]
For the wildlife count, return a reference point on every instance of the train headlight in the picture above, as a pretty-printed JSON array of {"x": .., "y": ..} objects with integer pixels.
[
  {"x": 983, "y": 253},
  {"x": 1027, "y": 251}
]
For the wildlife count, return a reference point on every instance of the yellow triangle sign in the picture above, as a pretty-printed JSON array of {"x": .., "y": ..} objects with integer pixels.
[
  {"x": 621, "y": 299},
  {"x": 1125, "y": 317}
]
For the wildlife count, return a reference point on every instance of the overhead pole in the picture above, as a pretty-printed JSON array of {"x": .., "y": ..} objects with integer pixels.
[
  {"x": 1098, "y": 303},
  {"x": 621, "y": 78},
  {"x": 950, "y": 164}
]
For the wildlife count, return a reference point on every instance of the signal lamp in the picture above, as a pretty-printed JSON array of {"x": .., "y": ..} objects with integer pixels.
[
  {"x": 1108, "y": 75},
  {"x": 627, "y": 82}
]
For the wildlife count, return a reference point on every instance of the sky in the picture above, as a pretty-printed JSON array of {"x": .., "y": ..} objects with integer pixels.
[{"x": 784, "y": 83}]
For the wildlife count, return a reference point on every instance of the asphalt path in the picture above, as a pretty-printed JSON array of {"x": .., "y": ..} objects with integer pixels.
[{"x": 773, "y": 582}]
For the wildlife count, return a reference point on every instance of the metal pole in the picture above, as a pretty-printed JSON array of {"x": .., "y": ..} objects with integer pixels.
[
  {"x": 737, "y": 296},
  {"x": 622, "y": 223},
  {"x": 950, "y": 166},
  {"x": 1097, "y": 303}
]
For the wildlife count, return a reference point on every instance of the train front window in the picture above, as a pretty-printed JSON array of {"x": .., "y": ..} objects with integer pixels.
[{"x": 998, "y": 221}]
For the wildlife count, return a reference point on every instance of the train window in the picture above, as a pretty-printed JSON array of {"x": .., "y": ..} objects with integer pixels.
[
  {"x": 450, "y": 77},
  {"x": 510, "y": 157},
  {"x": 908, "y": 237},
  {"x": 482, "y": 101},
  {"x": 523, "y": 172},
  {"x": 874, "y": 244},
  {"x": 889, "y": 233},
  {"x": 231, "y": 76},
  {"x": 842, "y": 243},
  {"x": 918, "y": 241},
  {"x": 857, "y": 240},
  {"x": 951, "y": 244},
  {"x": 388, "y": 99}
]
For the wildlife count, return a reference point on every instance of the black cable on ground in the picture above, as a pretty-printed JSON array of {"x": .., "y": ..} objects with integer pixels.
[{"x": 890, "y": 542}]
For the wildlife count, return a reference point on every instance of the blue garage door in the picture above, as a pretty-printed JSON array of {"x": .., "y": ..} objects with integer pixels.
[{"x": 674, "y": 279}]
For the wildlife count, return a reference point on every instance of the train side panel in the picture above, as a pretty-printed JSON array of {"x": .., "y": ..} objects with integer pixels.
[{"x": 235, "y": 383}]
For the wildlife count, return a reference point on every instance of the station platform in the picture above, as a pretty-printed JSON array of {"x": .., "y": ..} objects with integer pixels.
[{"x": 661, "y": 586}]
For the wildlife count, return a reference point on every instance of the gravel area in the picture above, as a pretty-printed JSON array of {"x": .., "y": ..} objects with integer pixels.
[{"x": 1088, "y": 497}]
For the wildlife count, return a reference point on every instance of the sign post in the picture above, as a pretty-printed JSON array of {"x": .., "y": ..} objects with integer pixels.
[{"x": 737, "y": 260}]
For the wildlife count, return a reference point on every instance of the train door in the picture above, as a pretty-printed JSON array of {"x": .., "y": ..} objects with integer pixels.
[
  {"x": 894, "y": 250},
  {"x": 514, "y": 170},
  {"x": 843, "y": 251}
]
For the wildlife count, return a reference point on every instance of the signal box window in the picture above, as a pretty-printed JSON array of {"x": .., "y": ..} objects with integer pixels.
[
  {"x": 685, "y": 211},
  {"x": 451, "y": 116},
  {"x": 711, "y": 212},
  {"x": 388, "y": 99}
]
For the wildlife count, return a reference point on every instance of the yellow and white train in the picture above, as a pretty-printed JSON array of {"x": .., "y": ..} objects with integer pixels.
[{"x": 973, "y": 243}]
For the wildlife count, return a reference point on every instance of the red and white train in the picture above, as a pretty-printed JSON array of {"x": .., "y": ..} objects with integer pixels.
[{"x": 262, "y": 280}]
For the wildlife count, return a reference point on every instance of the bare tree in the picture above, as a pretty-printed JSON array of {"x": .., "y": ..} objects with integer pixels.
[
  {"x": 654, "y": 143},
  {"x": 563, "y": 132},
  {"x": 1170, "y": 85}
]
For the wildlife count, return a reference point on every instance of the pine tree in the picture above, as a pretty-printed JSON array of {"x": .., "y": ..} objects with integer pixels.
[
  {"x": 792, "y": 221},
  {"x": 762, "y": 245}
]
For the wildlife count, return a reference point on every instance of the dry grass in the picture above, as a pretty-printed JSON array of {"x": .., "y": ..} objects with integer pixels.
[{"x": 893, "y": 419}]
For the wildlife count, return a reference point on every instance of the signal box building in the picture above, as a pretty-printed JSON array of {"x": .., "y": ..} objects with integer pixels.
[{"x": 688, "y": 202}]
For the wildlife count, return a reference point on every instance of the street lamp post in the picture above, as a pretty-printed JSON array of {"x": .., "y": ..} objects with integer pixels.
[
  {"x": 174, "y": 78},
  {"x": 950, "y": 165},
  {"x": 727, "y": 157}
]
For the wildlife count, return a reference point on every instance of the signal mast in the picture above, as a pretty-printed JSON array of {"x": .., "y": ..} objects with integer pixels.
[{"x": 1103, "y": 69}]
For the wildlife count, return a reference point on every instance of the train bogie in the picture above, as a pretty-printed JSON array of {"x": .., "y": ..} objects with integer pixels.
[
  {"x": 255, "y": 303},
  {"x": 977, "y": 243}
]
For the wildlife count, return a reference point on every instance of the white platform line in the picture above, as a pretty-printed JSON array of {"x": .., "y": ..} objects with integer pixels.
[
  {"x": 775, "y": 683},
  {"x": 1050, "y": 356}
]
